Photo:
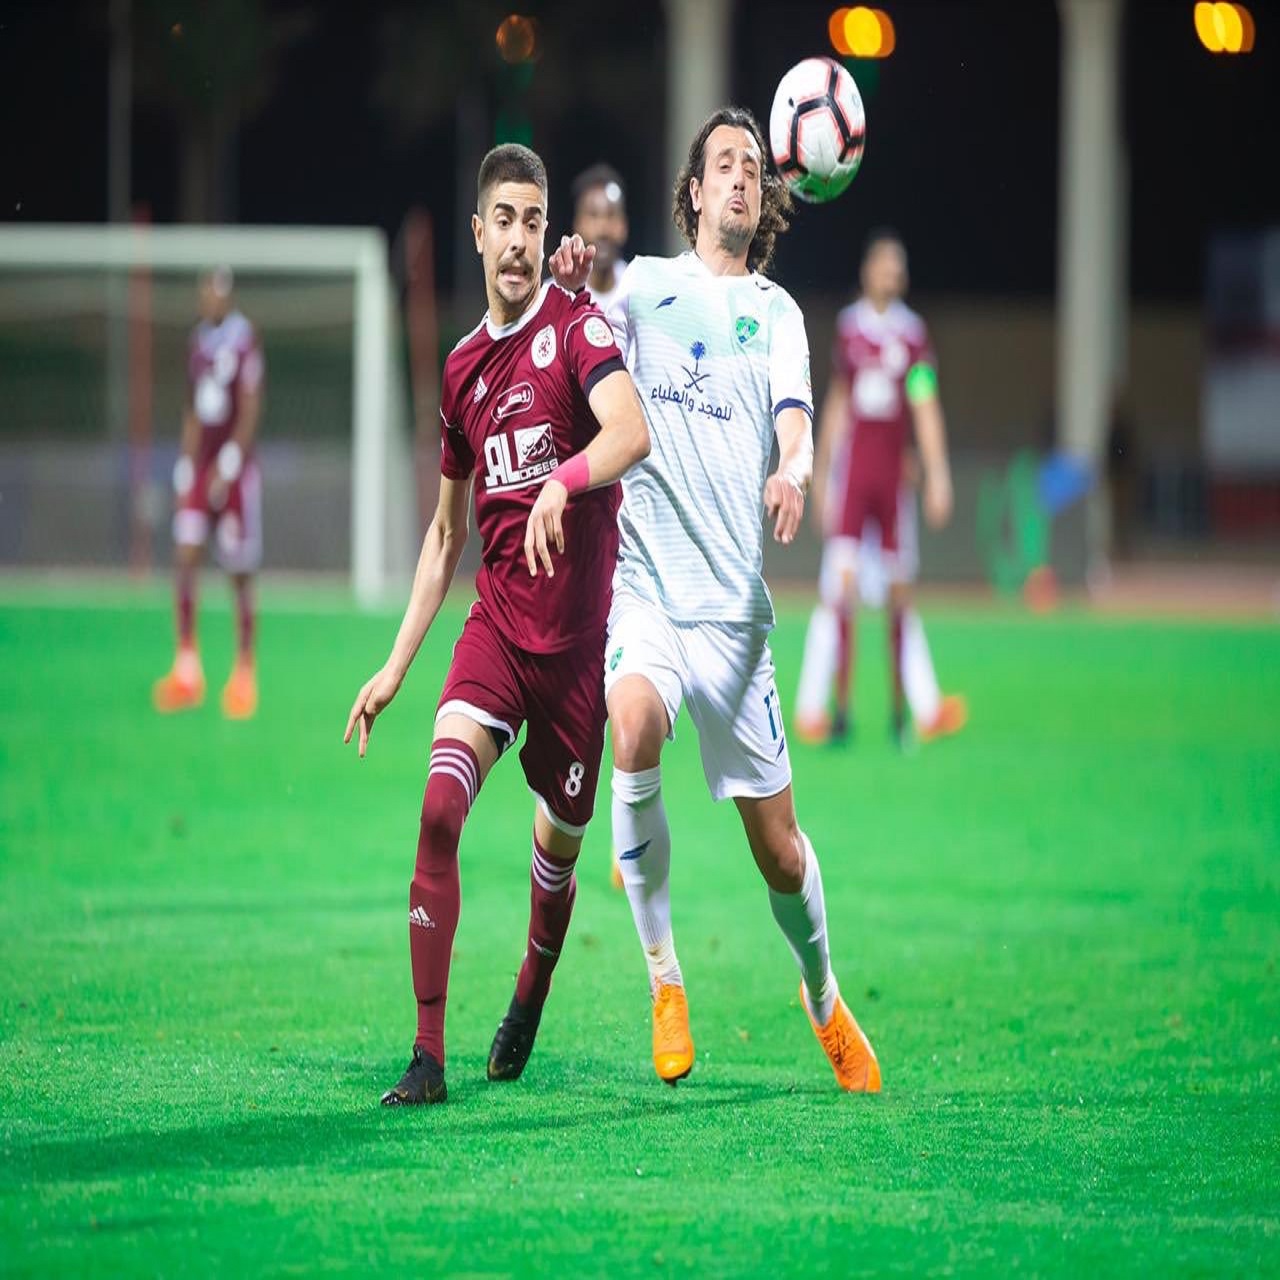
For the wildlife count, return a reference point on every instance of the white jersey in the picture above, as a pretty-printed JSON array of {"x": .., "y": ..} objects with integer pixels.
[{"x": 714, "y": 359}]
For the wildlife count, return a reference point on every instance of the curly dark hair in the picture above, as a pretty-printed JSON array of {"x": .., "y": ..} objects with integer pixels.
[{"x": 775, "y": 199}]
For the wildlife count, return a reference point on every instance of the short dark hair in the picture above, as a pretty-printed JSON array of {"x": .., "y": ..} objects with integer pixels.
[
  {"x": 775, "y": 199},
  {"x": 882, "y": 235},
  {"x": 510, "y": 162},
  {"x": 598, "y": 175}
]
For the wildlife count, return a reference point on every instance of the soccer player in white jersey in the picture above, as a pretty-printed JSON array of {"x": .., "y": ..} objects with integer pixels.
[{"x": 719, "y": 355}]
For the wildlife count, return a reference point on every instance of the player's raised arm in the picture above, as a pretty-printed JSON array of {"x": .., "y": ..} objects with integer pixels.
[
  {"x": 437, "y": 563},
  {"x": 784, "y": 491},
  {"x": 623, "y": 440},
  {"x": 931, "y": 436}
]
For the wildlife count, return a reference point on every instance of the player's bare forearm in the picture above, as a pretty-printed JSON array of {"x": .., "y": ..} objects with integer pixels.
[
  {"x": 246, "y": 428},
  {"x": 833, "y": 427},
  {"x": 785, "y": 490},
  {"x": 189, "y": 442},
  {"x": 931, "y": 436},
  {"x": 437, "y": 563},
  {"x": 623, "y": 439}
]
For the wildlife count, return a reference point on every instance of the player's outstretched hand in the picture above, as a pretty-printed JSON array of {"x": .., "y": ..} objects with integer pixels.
[
  {"x": 571, "y": 263},
  {"x": 545, "y": 527},
  {"x": 374, "y": 697},
  {"x": 784, "y": 503},
  {"x": 937, "y": 500}
]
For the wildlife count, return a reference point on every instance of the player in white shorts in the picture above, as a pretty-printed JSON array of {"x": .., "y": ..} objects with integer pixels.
[{"x": 719, "y": 355}]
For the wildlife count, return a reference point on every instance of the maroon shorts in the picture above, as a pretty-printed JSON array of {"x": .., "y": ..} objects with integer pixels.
[
  {"x": 871, "y": 502},
  {"x": 560, "y": 696},
  {"x": 237, "y": 518}
]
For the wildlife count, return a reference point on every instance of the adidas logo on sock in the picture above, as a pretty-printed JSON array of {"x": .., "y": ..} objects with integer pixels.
[{"x": 418, "y": 916}]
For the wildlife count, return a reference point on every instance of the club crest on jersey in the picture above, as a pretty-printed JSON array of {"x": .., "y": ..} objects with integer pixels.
[
  {"x": 514, "y": 400},
  {"x": 746, "y": 327},
  {"x": 524, "y": 457},
  {"x": 597, "y": 332},
  {"x": 543, "y": 350}
]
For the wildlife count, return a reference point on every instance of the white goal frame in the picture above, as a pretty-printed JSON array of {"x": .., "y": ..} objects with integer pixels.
[{"x": 360, "y": 252}]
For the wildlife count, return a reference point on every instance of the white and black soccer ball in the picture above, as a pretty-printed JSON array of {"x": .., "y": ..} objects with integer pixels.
[{"x": 817, "y": 128}]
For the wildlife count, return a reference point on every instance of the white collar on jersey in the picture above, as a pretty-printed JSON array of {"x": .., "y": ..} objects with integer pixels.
[
  {"x": 873, "y": 322},
  {"x": 497, "y": 332}
]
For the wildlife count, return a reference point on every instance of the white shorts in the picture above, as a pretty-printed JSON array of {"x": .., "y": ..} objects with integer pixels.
[
  {"x": 724, "y": 672},
  {"x": 875, "y": 569}
]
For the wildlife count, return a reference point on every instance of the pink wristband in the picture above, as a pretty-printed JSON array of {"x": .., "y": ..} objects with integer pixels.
[{"x": 575, "y": 474}]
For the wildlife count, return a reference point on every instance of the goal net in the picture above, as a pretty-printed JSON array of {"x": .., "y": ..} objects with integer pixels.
[{"x": 94, "y": 323}]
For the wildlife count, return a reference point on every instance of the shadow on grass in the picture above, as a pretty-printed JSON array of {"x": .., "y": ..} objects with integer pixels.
[{"x": 478, "y": 1114}]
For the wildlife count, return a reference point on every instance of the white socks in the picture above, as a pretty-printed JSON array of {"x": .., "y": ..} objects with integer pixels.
[
  {"x": 919, "y": 682},
  {"x": 818, "y": 669},
  {"x": 642, "y": 843},
  {"x": 802, "y": 917}
]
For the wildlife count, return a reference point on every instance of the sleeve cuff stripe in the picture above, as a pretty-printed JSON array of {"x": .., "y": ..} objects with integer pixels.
[
  {"x": 612, "y": 365},
  {"x": 793, "y": 403}
]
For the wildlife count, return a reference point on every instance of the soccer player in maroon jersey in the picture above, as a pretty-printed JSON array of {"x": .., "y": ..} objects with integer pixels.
[
  {"x": 542, "y": 417},
  {"x": 884, "y": 384},
  {"x": 217, "y": 486}
]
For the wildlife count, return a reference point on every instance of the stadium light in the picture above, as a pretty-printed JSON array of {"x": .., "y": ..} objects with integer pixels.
[
  {"x": 1224, "y": 28},
  {"x": 517, "y": 39},
  {"x": 861, "y": 32}
]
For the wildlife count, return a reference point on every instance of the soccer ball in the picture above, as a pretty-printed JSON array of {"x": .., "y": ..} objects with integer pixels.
[{"x": 816, "y": 129}]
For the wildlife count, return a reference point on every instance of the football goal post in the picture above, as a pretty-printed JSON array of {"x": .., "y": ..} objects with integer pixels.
[{"x": 93, "y": 338}]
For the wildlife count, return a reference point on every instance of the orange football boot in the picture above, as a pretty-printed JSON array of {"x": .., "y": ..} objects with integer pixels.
[
  {"x": 953, "y": 715},
  {"x": 182, "y": 688},
  {"x": 240, "y": 693},
  {"x": 672, "y": 1043},
  {"x": 848, "y": 1050}
]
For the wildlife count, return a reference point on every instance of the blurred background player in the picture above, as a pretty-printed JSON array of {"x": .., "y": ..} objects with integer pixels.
[
  {"x": 600, "y": 218},
  {"x": 884, "y": 381},
  {"x": 538, "y": 409},
  {"x": 217, "y": 485}
]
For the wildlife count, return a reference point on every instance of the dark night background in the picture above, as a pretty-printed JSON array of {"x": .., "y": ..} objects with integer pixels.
[{"x": 349, "y": 126}]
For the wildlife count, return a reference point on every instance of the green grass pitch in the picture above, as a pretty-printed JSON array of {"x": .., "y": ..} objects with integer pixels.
[{"x": 1061, "y": 931}]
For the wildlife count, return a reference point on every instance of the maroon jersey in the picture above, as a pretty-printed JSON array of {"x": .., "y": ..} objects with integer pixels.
[
  {"x": 224, "y": 363},
  {"x": 514, "y": 404},
  {"x": 877, "y": 352}
]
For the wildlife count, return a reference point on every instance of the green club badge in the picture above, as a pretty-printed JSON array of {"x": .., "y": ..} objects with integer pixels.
[
  {"x": 615, "y": 659},
  {"x": 746, "y": 327}
]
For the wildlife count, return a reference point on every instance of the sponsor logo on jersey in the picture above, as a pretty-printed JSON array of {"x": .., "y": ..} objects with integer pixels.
[
  {"x": 666, "y": 302},
  {"x": 543, "y": 350},
  {"x": 522, "y": 458},
  {"x": 533, "y": 444},
  {"x": 597, "y": 332},
  {"x": 478, "y": 394},
  {"x": 746, "y": 328},
  {"x": 514, "y": 400}
]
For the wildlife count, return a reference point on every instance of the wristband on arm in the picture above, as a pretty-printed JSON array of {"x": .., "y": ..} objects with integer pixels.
[{"x": 575, "y": 474}]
